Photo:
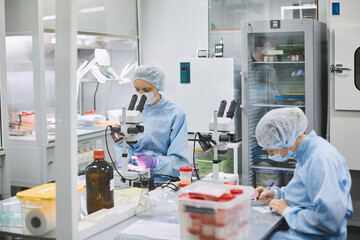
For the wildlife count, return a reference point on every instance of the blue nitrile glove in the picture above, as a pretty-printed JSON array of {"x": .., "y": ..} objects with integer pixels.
[
  {"x": 130, "y": 161},
  {"x": 145, "y": 161}
]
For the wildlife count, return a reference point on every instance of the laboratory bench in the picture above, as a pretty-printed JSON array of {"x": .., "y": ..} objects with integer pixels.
[{"x": 261, "y": 223}]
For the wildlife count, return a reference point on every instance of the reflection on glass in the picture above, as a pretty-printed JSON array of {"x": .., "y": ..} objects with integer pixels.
[
  {"x": 276, "y": 69},
  {"x": 357, "y": 68},
  {"x": 229, "y": 14},
  {"x": 20, "y": 84}
]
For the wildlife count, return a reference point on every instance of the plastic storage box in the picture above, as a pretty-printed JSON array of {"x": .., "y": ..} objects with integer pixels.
[
  {"x": 205, "y": 164},
  {"x": 38, "y": 208},
  {"x": 222, "y": 215},
  {"x": 263, "y": 177},
  {"x": 288, "y": 175}
]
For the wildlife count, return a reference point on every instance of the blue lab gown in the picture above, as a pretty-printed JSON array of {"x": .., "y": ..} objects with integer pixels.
[
  {"x": 318, "y": 194},
  {"x": 164, "y": 137}
]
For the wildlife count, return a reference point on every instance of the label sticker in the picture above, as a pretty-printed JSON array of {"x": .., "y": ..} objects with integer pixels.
[
  {"x": 112, "y": 184},
  {"x": 336, "y": 8},
  {"x": 274, "y": 24},
  {"x": 275, "y": 52}
]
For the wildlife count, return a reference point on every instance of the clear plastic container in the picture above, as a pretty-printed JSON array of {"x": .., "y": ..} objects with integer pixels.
[
  {"x": 299, "y": 57},
  {"x": 263, "y": 177},
  {"x": 288, "y": 175},
  {"x": 185, "y": 174},
  {"x": 222, "y": 215},
  {"x": 38, "y": 208},
  {"x": 293, "y": 57}
]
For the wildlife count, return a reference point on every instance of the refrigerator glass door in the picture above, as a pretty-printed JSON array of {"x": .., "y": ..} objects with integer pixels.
[{"x": 276, "y": 79}]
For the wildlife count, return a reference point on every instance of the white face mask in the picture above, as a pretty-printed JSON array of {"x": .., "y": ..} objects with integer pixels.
[
  {"x": 278, "y": 158},
  {"x": 150, "y": 97}
]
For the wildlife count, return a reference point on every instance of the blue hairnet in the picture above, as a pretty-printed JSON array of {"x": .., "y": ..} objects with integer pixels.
[
  {"x": 280, "y": 127},
  {"x": 150, "y": 74}
]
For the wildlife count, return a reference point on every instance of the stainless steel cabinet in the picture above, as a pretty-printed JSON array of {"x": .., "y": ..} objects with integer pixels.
[{"x": 283, "y": 65}]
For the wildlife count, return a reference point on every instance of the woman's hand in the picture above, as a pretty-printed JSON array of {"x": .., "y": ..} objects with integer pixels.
[
  {"x": 278, "y": 205},
  {"x": 264, "y": 197},
  {"x": 145, "y": 161}
]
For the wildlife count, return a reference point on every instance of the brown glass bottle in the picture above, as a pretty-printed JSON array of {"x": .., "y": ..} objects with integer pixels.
[{"x": 99, "y": 183}]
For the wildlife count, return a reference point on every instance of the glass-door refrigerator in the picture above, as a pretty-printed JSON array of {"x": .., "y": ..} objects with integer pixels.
[{"x": 284, "y": 64}]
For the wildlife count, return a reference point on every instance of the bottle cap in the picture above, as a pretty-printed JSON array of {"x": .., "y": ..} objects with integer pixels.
[
  {"x": 186, "y": 169},
  {"x": 99, "y": 154}
]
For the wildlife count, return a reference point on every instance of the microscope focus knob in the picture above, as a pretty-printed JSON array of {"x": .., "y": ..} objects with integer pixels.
[
  {"x": 140, "y": 128},
  {"x": 224, "y": 138}
]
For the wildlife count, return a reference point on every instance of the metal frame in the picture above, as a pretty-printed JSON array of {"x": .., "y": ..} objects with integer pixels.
[
  {"x": 5, "y": 165},
  {"x": 66, "y": 137},
  {"x": 66, "y": 125}
]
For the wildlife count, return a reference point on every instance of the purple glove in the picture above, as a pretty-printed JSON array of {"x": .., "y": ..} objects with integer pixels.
[{"x": 145, "y": 161}]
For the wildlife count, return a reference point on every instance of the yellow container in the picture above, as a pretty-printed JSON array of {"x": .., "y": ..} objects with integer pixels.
[{"x": 38, "y": 208}]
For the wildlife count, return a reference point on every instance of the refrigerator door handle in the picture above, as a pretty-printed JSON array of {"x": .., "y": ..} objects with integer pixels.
[{"x": 242, "y": 91}]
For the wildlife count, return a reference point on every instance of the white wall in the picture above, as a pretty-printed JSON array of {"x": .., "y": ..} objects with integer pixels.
[
  {"x": 344, "y": 125},
  {"x": 171, "y": 29}
]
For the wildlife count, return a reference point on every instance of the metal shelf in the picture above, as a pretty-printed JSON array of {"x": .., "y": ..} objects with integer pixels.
[
  {"x": 354, "y": 222},
  {"x": 273, "y": 168},
  {"x": 276, "y": 105},
  {"x": 279, "y": 62}
]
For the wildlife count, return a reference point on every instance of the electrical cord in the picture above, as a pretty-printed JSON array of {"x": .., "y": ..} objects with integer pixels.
[
  {"x": 107, "y": 148},
  {"x": 168, "y": 183},
  {"x": 97, "y": 87},
  {"x": 196, "y": 170},
  {"x": 171, "y": 178}
]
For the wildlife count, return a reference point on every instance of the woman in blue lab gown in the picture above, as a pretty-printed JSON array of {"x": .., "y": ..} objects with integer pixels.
[
  {"x": 316, "y": 203},
  {"x": 162, "y": 146}
]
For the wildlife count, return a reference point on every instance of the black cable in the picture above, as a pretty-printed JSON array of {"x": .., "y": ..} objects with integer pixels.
[
  {"x": 171, "y": 178},
  {"x": 97, "y": 87},
  {"x": 170, "y": 183},
  {"x": 107, "y": 148},
  {"x": 197, "y": 174},
  {"x": 167, "y": 184}
]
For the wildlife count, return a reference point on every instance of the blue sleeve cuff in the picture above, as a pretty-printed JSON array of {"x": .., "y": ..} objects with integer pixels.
[
  {"x": 277, "y": 194},
  {"x": 286, "y": 211}
]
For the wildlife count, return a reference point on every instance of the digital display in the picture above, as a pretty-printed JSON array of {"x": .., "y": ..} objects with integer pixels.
[{"x": 184, "y": 72}]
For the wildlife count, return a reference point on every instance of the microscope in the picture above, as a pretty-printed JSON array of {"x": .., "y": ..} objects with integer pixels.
[
  {"x": 218, "y": 138},
  {"x": 126, "y": 133}
]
